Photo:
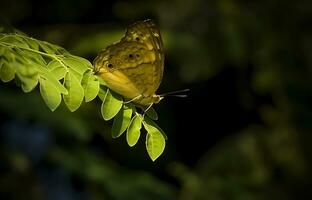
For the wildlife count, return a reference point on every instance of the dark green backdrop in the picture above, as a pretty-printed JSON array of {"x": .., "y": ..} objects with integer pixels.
[{"x": 244, "y": 132}]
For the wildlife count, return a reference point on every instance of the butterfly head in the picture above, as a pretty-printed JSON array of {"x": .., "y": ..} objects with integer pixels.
[
  {"x": 111, "y": 66},
  {"x": 101, "y": 63}
]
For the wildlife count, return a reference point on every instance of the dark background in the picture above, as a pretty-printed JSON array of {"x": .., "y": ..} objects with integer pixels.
[{"x": 244, "y": 132}]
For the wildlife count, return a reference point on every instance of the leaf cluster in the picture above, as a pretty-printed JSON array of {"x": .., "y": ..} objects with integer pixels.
[{"x": 63, "y": 76}]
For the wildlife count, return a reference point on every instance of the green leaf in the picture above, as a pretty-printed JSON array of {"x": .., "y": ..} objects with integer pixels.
[
  {"x": 76, "y": 74},
  {"x": 102, "y": 92},
  {"x": 44, "y": 73},
  {"x": 50, "y": 94},
  {"x": 111, "y": 105},
  {"x": 134, "y": 130},
  {"x": 33, "y": 43},
  {"x": 8, "y": 55},
  {"x": 51, "y": 48},
  {"x": 155, "y": 141},
  {"x": 121, "y": 121},
  {"x": 82, "y": 60},
  {"x": 47, "y": 47},
  {"x": 75, "y": 65},
  {"x": 27, "y": 74},
  {"x": 75, "y": 94},
  {"x": 152, "y": 123},
  {"x": 29, "y": 57},
  {"x": 7, "y": 72},
  {"x": 13, "y": 39},
  {"x": 90, "y": 85},
  {"x": 59, "y": 72},
  {"x": 28, "y": 82},
  {"x": 152, "y": 113},
  {"x": 57, "y": 69},
  {"x": 35, "y": 58},
  {"x": 54, "y": 64}
]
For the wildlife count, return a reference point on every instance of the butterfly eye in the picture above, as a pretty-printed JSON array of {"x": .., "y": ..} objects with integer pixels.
[
  {"x": 130, "y": 56},
  {"x": 110, "y": 65}
]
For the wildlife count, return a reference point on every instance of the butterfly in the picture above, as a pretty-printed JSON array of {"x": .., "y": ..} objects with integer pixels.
[{"x": 134, "y": 66}]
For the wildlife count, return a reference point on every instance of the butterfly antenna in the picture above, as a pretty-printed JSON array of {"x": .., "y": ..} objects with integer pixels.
[{"x": 175, "y": 93}]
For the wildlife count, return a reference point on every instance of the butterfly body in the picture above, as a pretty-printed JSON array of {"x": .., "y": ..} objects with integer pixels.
[{"x": 133, "y": 67}]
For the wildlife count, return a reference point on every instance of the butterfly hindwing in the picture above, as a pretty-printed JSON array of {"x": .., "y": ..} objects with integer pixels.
[{"x": 147, "y": 33}]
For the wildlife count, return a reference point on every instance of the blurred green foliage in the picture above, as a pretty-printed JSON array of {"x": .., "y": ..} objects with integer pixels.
[{"x": 248, "y": 65}]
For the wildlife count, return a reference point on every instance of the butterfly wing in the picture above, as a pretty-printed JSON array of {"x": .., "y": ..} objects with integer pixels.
[{"x": 147, "y": 33}]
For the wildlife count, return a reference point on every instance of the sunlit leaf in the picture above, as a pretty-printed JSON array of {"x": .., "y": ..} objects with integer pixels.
[
  {"x": 12, "y": 39},
  {"x": 43, "y": 72},
  {"x": 29, "y": 57},
  {"x": 90, "y": 85},
  {"x": 47, "y": 47},
  {"x": 59, "y": 72},
  {"x": 76, "y": 74},
  {"x": 155, "y": 141},
  {"x": 28, "y": 82},
  {"x": 83, "y": 61},
  {"x": 57, "y": 69},
  {"x": 51, "y": 48},
  {"x": 27, "y": 74},
  {"x": 50, "y": 94},
  {"x": 111, "y": 105},
  {"x": 75, "y": 94},
  {"x": 33, "y": 43},
  {"x": 102, "y": 93},
  {"x": 134, "y": 130},
  {"x": 152, "y": 123},
  {"x": 75, "y": 65},
  {"x": 121, "y": 121},
  {"x": 7, "y": 72}
]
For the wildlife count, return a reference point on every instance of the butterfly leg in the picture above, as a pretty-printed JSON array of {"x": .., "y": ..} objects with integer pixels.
[
  {"x": 131, "y": 100},
  {"x": 147, "y": 109}
]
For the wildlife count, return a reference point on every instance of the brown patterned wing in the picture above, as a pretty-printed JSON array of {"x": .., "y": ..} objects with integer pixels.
[{"x": 147, "y": 33}]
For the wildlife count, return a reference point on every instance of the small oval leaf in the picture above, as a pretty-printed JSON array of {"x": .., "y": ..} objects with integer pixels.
[
  {"x": 134, "y": 130},
  {"x": 50, "y": 94},
  {"x": 59, "y": 72},
  {"x": 51, "y": 48},
  {"x": 102, "y": 93},
  {"x": 152, "y": 123},
  {"x": 7, "y": 72},
  {"x": 82, "y": 60},
  {"x": 75, "y": 94},
  {"x": 76, "y": 65},
  {"x": 90, "y": 85},
  {"x": 111, "y": 105},
  {"x": 47, "y": 75},
  {"x": 155, "y": 141},
  {"x": 121, "y": 121},
  {"x": 27, "y": 74},
  {"x": 57, "y": 69},
  {"x": 28, "y": 83}
]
